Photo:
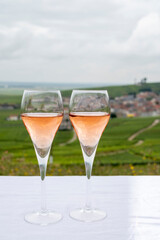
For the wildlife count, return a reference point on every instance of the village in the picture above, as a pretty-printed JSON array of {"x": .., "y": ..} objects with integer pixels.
[{"x": 143, "y": 104}]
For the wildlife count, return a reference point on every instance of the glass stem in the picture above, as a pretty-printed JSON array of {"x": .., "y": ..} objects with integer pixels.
[
  {"x": 43, "y": 196},
  {"x": 88, "y": 194},
  {"x": 88, "y": 166},
  {"x": 88, "y": 159},
  {"x": 42, "y": 157},
  {"x": 43, "y": 187}
]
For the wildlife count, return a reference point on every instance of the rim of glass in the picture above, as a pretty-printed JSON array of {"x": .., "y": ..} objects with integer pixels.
[
  {"x": 91, "y": 91},
  {"x": 39, "y": 91}
]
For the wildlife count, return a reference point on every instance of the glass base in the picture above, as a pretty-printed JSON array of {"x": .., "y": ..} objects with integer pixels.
[
  {"x": 91, "y": 215},
  {"x": 43, "y": 219}
]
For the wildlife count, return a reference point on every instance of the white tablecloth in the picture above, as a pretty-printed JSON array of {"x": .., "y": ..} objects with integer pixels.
[{"x": 132, "y": 205}]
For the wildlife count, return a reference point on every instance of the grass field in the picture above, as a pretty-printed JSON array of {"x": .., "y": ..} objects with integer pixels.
[{"x": 115, "y": 154}]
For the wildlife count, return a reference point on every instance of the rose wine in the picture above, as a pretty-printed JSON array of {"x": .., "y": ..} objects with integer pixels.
[
  {"x": 89, "y": 127},
  {"x": 42, "y": 128}
]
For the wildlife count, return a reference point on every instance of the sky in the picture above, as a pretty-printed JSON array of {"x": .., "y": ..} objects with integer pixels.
[{"x": 109, "y": 42}]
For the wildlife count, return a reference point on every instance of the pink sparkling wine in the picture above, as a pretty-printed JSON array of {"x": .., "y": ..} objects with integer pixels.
[
  {"x": 89, "y": 127},
  {"x": 42, "y": 127}
]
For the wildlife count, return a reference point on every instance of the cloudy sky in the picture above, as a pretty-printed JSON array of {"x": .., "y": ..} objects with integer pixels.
[{"x": 80, "y": 41}]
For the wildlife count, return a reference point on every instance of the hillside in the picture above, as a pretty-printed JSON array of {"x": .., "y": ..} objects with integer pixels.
[
  {"x": 115, "y": 91},
  {"x": 13, "y": 96}
]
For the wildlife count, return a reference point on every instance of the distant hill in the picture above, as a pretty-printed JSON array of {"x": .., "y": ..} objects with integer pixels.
[
  {"x": 115, "y": 91},
  {"x": 13, "y": 95}
]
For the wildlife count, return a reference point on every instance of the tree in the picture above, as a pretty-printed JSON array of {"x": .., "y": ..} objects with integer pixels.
[{"x": 143, "y": 81}]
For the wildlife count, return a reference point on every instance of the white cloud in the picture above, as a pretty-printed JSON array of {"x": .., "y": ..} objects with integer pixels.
[
  {"x": 145, "y": 38},
  {"x": 143, "y": 41},
  {"x": 88, "y": 40}
]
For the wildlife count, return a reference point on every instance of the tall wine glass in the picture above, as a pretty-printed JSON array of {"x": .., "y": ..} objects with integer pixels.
[
  {"x": 89, "y": 115},
  {"x": 42, "y": 113}
]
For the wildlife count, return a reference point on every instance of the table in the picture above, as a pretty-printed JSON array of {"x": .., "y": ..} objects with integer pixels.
[{"x": 132, "y": 204}]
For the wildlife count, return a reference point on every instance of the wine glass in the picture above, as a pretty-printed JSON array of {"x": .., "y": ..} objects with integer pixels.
[
  {"x": 42, "y": 113},
  {"x": 89, "y": 115}
]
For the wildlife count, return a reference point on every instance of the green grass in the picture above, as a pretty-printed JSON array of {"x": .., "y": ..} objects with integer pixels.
[
  {"x": 115, "y": 154},
  {"x": 10, "y": 99}
]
